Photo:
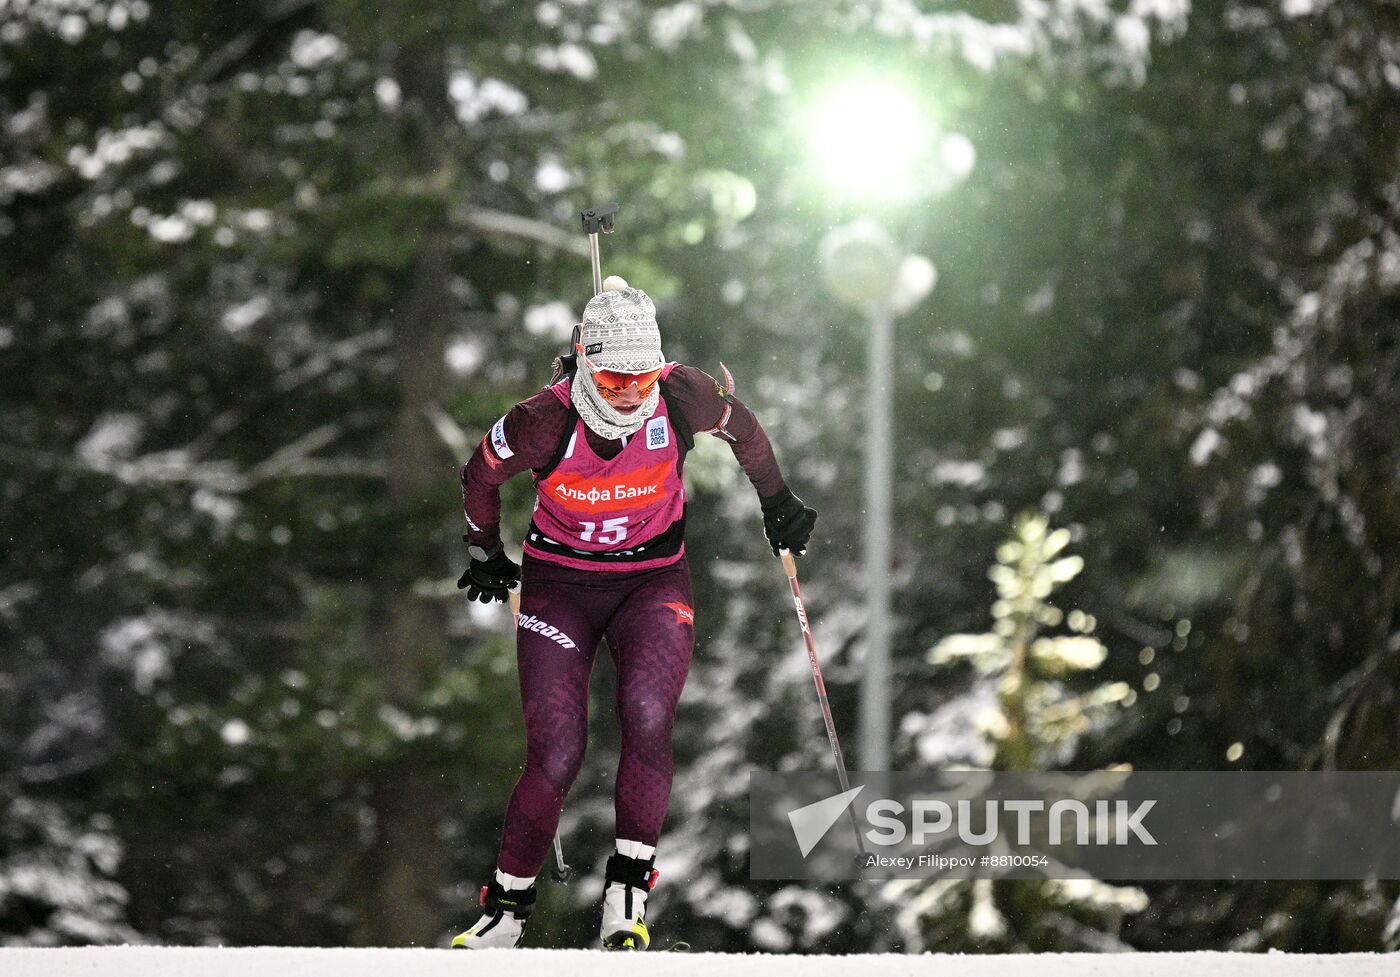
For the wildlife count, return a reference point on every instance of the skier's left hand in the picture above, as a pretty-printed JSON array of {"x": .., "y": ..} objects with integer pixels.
[{"x": 787, "y": 522}]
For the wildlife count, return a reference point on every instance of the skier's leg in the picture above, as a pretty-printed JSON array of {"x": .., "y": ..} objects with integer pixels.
[
  {"x": 651, "y": 637},
  {"x": 556, "y": 639}
]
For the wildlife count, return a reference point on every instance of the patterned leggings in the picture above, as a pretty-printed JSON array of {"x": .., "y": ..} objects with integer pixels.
[{"x": 648, "y": 620}]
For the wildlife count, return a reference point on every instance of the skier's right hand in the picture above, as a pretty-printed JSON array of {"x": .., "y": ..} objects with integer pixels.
[{"x": 490, "y": 575}]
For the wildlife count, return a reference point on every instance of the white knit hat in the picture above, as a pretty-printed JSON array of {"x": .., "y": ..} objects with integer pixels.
[{"x": 619, "y": 329}]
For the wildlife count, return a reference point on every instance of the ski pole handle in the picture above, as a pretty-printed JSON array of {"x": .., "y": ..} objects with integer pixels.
[
  {"x": 789, "y": 562},
  {"x": 513, "y": 596}
]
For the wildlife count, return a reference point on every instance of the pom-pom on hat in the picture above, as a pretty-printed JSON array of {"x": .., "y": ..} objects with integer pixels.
[{"x": 619, "y": 329}]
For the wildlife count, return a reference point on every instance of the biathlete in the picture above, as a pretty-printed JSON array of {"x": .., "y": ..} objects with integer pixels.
[{"x": 604, "y": 557}]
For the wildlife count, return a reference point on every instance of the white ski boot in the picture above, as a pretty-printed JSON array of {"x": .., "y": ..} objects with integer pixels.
[
  {"x": 502, "y": 925},
  {"x": 629, "y": 881}
]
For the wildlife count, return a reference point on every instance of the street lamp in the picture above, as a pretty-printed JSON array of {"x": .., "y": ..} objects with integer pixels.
[
  {"x": 871, "y": 141},
  {"x": 866, "y": 270}
]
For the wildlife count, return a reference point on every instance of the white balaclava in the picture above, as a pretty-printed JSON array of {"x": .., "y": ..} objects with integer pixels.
[{"x": 619, "y": 332}]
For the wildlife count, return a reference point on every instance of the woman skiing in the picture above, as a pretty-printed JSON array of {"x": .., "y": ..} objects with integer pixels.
[{"x": 604, "y": 556}]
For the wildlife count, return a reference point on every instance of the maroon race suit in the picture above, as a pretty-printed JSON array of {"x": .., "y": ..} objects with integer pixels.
[{"x": 604, "y": 557}]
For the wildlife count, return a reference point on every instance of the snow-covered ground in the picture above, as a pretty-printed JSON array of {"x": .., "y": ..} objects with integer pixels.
[{"x": 298, "y": 962}]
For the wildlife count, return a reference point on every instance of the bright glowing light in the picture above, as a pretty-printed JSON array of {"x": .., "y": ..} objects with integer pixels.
[
  {"x": 869, "y": 138},
  {"x": 958, "y": 154}
]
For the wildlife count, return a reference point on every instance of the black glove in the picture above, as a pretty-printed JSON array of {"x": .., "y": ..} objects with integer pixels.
[
  {"x": 490, "y": 575},
  {"x": 787, "y": 522}
]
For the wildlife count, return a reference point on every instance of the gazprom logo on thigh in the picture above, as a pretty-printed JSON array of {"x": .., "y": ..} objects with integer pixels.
[
  {"x": 528, "y": 622},
  {"x": 658, "y": 433}
]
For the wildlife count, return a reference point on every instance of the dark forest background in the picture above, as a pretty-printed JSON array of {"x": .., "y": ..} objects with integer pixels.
[{"x": 269, "y": 270}]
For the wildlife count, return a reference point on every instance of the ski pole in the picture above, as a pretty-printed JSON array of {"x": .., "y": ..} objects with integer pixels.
[
  {"x": 790, "y": 567},
  {"x": 562, "y": 871}
]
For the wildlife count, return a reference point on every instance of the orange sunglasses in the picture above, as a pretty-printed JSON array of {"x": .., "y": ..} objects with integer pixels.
[{"x": 614, "y": 383}]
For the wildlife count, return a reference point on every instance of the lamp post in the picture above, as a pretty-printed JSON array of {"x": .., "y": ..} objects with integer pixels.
[
  {"x": 865, "y": 270},
  {"x": 871, "y": 140}
]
